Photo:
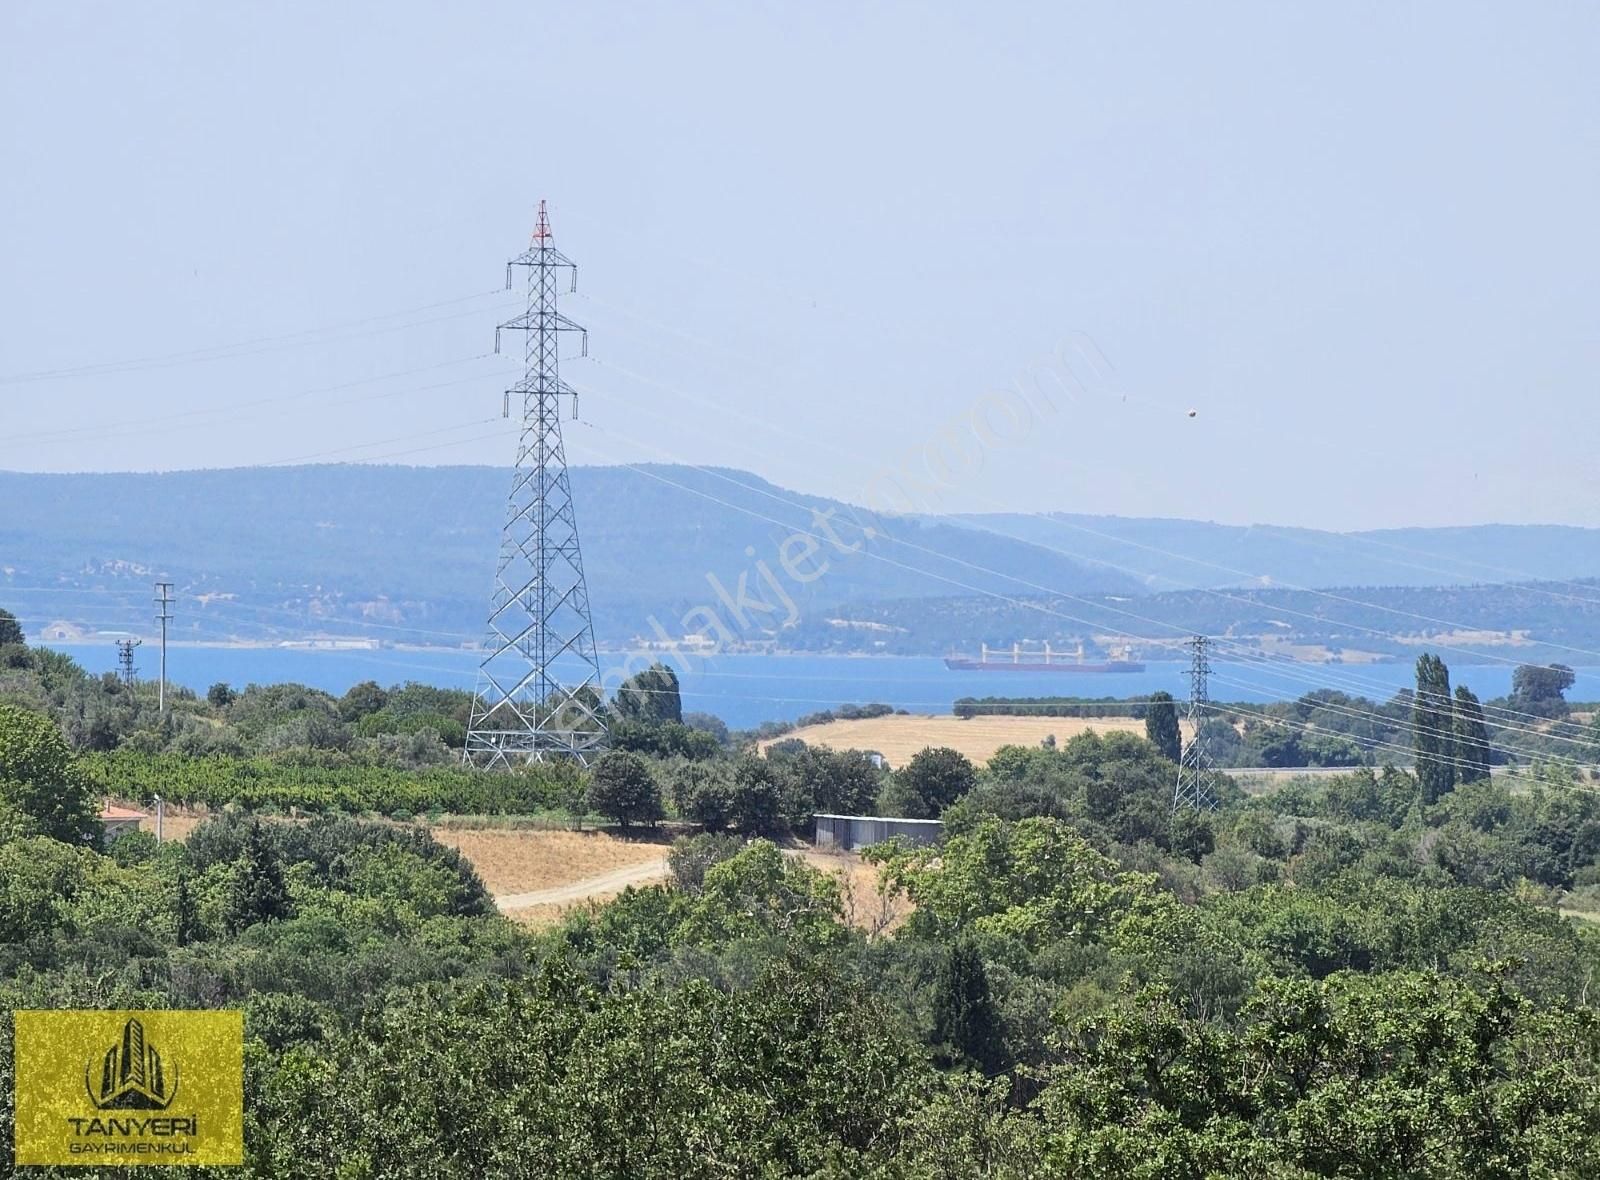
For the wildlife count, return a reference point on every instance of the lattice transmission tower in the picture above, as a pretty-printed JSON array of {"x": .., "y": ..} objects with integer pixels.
[
  {"x": 538, "y": 689},
  {"x": 125, "y": 668},
  {"x": 1191, "y": 789}
]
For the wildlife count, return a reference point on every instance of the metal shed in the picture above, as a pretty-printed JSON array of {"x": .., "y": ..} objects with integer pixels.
[{"x": 843, "y": 832}]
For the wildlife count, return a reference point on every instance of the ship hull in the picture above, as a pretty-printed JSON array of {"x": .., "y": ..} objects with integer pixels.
[{"x": 1109, "y": 668}]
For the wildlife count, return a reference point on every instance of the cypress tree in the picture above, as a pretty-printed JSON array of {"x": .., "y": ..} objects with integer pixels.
[
  {"x": 1472, "y": 737},
  {"x": 258, "y": 893},
  {"x": 1432, "y": 729},
  {"x": 966, "y": 1023},
  {"x": 1161, "y": 726},
  {"x": 185, "y": 919}
]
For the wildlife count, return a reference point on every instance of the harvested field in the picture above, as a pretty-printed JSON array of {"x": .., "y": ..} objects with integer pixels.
[
  {"x": 527, "y": 861},
  {"x": 899, "y": 737}
]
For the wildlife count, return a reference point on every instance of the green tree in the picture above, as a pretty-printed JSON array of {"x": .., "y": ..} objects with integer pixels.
[
  {"x": 40, "y": 778},
  {"x": 761, "y": 892},
  {"x": 756, "y": 806},
  {"x": 256, "y": 892},
  {"x": 1471, "y": 737},
  {"x": 1034, "y": 882},
  {"x": 1540, "y": 689},
  {"x": 1161, "y": 726},
  {"x": 10, "y": 629},
  {"x": 1392, "y": 1075},
  {"x": 692, "y": 856},
  {"x": 836, "y": 782},
  {"x": 221, "y": 695},
  {"x": 966, "y": 1024},
  {"x": 622, "y": 787},
  {"x": 1433, "y": 728},
  {"x": 702, "y": 792},
  {"x": 362, "y": 700},
  {"x": 650, "y": 697},
  {"x": 933, "y": 780}
]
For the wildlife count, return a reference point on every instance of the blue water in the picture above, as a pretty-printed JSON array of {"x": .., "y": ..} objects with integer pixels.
[{"x": 745, "y": 690}]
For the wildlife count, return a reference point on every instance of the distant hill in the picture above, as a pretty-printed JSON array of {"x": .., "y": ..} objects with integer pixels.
[
  {"x": 407, "y": 553},
  {"x": 1176, "y": 554},
  {"x": 1524, "y": 622}
]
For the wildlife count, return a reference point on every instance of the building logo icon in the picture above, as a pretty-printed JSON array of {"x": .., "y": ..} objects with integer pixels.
[{"x": 132, "y": 1074}]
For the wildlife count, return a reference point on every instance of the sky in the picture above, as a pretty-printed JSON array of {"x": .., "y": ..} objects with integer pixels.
[{"x": 1334, "y": 266}]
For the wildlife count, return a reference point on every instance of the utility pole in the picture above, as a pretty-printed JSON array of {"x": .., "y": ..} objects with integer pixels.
[
  {"x": 164, "y": 602},
  {"x": 539, "y": 679},
  {"x": 1191, "y": 789},
  {"x": 125, "y": 667}
]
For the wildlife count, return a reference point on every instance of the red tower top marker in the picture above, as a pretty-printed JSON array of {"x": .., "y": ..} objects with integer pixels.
[{"x": 541, "y": 232}]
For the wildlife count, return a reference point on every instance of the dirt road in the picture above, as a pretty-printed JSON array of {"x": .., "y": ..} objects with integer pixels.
[{"x": 598, "y": 886}]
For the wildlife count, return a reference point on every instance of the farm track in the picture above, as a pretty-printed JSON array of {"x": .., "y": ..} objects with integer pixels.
[{"x": 600, "y": 885}]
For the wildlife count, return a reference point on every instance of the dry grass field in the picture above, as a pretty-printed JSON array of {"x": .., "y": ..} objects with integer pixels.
[
  {"x": 864, "y": 907},
  {"x": 173, "y": 827},
  {"x": 899, "y": 737},
  {"x": 528, "y": 861},
  {"x": 176, "y": 822}
]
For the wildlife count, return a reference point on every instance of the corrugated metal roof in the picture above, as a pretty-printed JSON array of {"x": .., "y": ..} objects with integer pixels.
[{"x": 882, "y": 819}]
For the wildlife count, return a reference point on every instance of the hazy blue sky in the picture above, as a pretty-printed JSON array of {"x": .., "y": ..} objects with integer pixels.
[{"x": 1360, "y": 243}]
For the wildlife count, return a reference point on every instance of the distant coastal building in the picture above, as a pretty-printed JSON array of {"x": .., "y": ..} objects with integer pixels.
[{"x": 844, "y": 832}]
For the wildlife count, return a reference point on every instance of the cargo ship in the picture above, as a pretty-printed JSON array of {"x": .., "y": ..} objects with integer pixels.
[{"x": 1020, "y": 659}]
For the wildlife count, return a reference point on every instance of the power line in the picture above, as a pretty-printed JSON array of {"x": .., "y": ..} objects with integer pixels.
[
  {"x": 1080, "y": 557},
  {"x": 228, "y": 351},
  {"x": 1212, "y": 592},
  {"x": 1305, "y": 677},
  {"x": 232, "y": 411},
  {"x": 1242, "y": 650}
]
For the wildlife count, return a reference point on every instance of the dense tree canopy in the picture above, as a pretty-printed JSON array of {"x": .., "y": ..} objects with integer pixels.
[
  {"x": 933, "y": 780},
  {"x": 1541, "y": 690},
  {"x": 40, "y": 778},
  {"x": 1339, "y": 975},
  {"x": 623, "y": 787},
  {"x": 650, "y": 697}
]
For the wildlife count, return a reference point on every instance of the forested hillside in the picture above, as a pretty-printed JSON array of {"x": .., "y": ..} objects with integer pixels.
[
  {"x": 409, "y": 551},
  {"x": 406, "y": 554},
  {"x": 1171, "y": 554},
  {"x": 1532, "y": 622}
]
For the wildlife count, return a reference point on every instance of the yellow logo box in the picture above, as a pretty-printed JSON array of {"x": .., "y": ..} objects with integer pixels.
[{"x": 129, "y": 1087}]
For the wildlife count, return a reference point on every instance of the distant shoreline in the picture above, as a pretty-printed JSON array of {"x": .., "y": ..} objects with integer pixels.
[{"x": 352, "y": 646}]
